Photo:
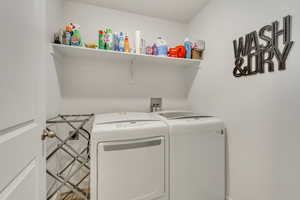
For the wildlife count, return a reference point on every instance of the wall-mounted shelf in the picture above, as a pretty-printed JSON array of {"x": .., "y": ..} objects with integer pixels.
[{"x": 72, "y": 51}]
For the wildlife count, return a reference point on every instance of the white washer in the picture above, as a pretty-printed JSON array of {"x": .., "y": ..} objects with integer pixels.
[
  {"x": 129, "y": 157},
  {"x": 197, "y": 156}
]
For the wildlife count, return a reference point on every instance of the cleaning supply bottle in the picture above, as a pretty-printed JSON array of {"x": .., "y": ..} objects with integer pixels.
[
  {"x": 181, "y": 52},
  {"x": 105, "y": 38},
  {"x": 138, "y": 42},
  {"x": 115, "y": 42},
  {"x": 154, "y": 50},
  {"x": 101, "y": 44},
  {"x": 162, "y": 47},
  {"x": 126, "y": 44},
  {"x": 68, "y": 37},
  {"x": 109, "y": 40},
  {"x": 121, "y": 42},
  {"x": 64, "y": 37},
  {"x": 76, "y": 39},
  {"x": 188, "y": 48},
  {"x": 112, "y": 41},
  {"x": 69, "y": 32},
  {"x": 143, "y": 46},
  {"x": 149, "y": 50}
]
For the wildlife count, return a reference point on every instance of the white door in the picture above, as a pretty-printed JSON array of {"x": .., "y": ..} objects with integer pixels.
[{"x": 22, "y": 63}]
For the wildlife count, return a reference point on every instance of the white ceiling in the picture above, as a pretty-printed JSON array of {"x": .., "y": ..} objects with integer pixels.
[{"x": 176, "y": 10}]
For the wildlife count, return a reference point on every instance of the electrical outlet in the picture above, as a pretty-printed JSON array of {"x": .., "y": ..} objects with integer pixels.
[
  {"x": 155, "y": 104},
  {"x": 74, "y": 136}
]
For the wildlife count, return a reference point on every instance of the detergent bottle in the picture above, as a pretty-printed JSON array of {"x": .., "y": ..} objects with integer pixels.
[
  {"x": 188, "y": 48},
  {"x": 76, "y": 39},
  {"x": 162, "y": 48}
]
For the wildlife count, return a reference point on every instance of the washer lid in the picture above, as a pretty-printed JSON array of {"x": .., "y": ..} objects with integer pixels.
[
  {"x": 112, "y": 118},
  {"x": 181, "y": 115}
]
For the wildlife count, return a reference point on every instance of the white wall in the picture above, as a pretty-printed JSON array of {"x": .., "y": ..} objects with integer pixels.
[
  {"x": 93, "y": 85},
  {"x": 94, "y": 18},
  {"x": 260, "y": 111},
  {"x": 54, "y": 22}
]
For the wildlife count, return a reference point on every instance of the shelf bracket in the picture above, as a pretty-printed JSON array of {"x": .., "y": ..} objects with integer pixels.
[
  {"x": 51, "y": 50},
  {"x": 131, "y": 70}
]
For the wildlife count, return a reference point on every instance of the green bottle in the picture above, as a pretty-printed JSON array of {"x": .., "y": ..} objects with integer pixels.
[
  {"x": 76, "y": 38},
  {"x": 101, "y": 40},
  {"x": 109, "y": 39}
]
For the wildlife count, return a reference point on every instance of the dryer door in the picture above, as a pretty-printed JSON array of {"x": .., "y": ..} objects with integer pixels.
[{"x": 131, "y": 169}]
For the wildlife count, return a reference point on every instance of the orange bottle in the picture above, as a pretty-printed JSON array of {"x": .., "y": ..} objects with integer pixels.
[
  {"x": 126, "y": 44},
  {"x": 181, "y": 52}
]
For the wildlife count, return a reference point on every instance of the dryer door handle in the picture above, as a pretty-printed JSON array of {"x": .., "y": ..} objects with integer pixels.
[{"x": 133, "y": 144}]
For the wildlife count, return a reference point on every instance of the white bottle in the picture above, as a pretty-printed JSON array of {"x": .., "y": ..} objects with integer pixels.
[{"x": 138, "y": 42}]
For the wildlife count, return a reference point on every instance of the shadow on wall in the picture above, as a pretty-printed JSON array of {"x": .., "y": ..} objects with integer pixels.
[{"x": 99, "y": 78}]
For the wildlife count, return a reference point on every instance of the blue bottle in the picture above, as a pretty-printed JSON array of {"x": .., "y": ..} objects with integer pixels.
[
  {"x": 162, "y": 47},
  {"x": 115, "y": 42},
  {"x": 188, "y": 48},
  {"x": 121, "y": 42}
]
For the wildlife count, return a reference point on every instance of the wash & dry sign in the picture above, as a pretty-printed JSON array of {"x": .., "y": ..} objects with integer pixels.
[{"x": 261, "y": 50}]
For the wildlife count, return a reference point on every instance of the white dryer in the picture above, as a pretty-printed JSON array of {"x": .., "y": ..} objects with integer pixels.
[
  {"x": 197, "y": 156},
  {"x": 129, "y": 157}
]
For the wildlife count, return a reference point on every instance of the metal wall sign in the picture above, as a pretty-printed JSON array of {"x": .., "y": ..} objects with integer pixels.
[{"x": 260, "y": 50}]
